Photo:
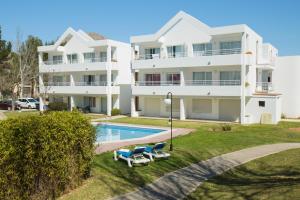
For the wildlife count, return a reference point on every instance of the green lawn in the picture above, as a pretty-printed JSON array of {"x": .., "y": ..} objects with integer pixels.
[
  {"x": 110, "y": 178},
  {"x": 10, "y": 114},
  {"x": 273, "y": 177}
]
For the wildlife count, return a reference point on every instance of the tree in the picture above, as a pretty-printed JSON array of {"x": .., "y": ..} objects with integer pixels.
[
  {"x": 30, "y": 61},
  {"x": 5, "y": 65}
]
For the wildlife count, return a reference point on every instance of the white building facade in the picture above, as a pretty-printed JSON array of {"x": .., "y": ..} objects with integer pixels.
[
  {"x": 86, "y": 71},
  {"x": 222, "y": 73},
  {"x": 215, "y": 73}
]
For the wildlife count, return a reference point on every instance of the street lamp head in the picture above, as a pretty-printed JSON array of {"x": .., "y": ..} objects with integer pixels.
[{"x": 167, "y": 101}]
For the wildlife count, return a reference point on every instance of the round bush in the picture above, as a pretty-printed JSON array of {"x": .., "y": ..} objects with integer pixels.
[
  {"x": 42, "y": 156},
  {"x": 115, "y": 111}
]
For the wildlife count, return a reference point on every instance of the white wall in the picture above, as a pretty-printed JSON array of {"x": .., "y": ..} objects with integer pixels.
[
  {"x": 272, "y": 106},
  {"x": 286, "y": 78}
]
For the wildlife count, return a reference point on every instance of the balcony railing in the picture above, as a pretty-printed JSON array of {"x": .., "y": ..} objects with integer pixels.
[
  {"x": 95, "y": 83},
  {"x": 75, "y": 61},
  {"x": 57, "y": 84},
  {"x": 147, "y": 56},
  {"x": 190, "y": 83},
  {"x": 177, "y": 54},
  {"x": 157, "y": 83},
  {"x": 213, "y": 82},
  {"x": 195, "y": 54},
  {"x": 217, "y": 52},
  {"x": 264, "y": 86},
  {"x": 94, "y": 60},
  {"x": 53, "y": 62}
]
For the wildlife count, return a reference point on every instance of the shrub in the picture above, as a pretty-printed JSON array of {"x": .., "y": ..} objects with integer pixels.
[
  {"x": 226, "y": 127},
  {"x": 115, "y": 111},
  {"x": 57, "y": 106},
  {"x": 44, "y": 155},
  {"x": 283, "y": 116},
  {"x": 219, "y": 128}
]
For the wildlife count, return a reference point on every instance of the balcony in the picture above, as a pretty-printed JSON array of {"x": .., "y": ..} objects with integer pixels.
[
  {"x": 264, "y": 87},
  {"x": 189, "y": 88},
  {"x": 218, "y": 57},
  {"x": 91, "y": 64},
  {"x": 94, "y": 88}
]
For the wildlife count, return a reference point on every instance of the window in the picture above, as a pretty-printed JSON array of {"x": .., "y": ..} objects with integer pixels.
[
  {"x": 57, "y": 80},
  {"x": 103, "y": 79},
  {"x": 261, "y": 103},
  {"x": 173, "y": 79},
  {"x": 103, "y": 56},
  {"x": 202, "y": 78},
  {"x": 202, "y": 106},
  {"x": 230, "y": 78},
  {"x": 175, "y": 106},
  {"x": 152, "y": 79},
  {"x": 204, "y": 49},
  {"x": 72, "y": 58},
  {"x": 89, "y": 79},
  {"x": 232, "y": 47},
  {"x": 57, "y": 59},
  {"x": 89, "y": 57},
  {"x": 176, "y": 51},
  {"x": 151, "y": 53},
  {"x": 89, "y": 101}
]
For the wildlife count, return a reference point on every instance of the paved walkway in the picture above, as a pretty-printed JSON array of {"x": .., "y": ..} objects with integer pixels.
[
  {"x": 180, "y": 183},
  {"x": 108, "y": 118}
]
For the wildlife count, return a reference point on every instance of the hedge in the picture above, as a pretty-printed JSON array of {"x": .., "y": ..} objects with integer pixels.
[
  {"x": 43, "y": 156},
  {"x": 57, "y": 106}
]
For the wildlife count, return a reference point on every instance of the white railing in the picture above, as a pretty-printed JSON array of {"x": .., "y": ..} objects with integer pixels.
[
  {"x": 95, "y": 83},
  {"x": 73, "y": 61},
  {"x": 217, "y": 52},
  {"x": 94, "y": 60},
  {"x": 157, "y": 83},
  {"x": 177, "y": 54},
  {"x": 57, "y": 84},
  {"x": 213, "y": 82},
  {"x": 264, "y": 86},
  {"x": 53, "y": 62},
  {"x": 190, "y": 83},
  {"x": 147, "y": 56}
]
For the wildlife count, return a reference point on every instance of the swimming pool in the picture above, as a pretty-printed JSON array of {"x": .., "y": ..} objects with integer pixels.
[{"x": 109, "y": 132}]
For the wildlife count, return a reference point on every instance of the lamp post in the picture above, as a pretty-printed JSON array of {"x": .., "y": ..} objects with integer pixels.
[{"x": 168, "y": 100}]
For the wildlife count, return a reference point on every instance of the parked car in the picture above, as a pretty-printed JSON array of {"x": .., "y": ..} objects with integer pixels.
[
  {"x": 7, "y": 105},
  {"x": 28, "y": 103}
]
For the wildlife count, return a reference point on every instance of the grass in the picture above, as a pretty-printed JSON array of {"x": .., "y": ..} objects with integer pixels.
[
  {"x": 273, "y": 177},
  {"x": 95, "y": 116},
  {"x": 110, "y": 178},
  {"x": 10, "y": 114}
]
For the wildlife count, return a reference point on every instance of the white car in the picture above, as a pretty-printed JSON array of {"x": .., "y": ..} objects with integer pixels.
[{"x": 27, "y": 103}]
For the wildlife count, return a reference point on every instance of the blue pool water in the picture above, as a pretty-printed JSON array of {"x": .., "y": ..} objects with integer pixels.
[{"x": 107, "y": 132}]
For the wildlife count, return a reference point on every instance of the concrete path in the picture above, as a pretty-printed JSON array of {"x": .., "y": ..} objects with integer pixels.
[{"x": 180, "y": 183}]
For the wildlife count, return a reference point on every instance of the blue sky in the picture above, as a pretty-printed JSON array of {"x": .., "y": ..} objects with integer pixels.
[{"x": 278, "y": 21}]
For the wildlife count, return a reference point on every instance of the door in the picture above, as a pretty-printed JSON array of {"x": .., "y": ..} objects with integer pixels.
[
  {"x": 103, "y": 104},
  {"x": 229, "y": 110},
  {"x": 152, "y": 107}
]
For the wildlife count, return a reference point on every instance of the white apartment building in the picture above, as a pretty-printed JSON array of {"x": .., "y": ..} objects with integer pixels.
[
  {"x": 86, "y": 70},
  {"x": 216, "y": 73},
  {"x": 222, "y": 73}
]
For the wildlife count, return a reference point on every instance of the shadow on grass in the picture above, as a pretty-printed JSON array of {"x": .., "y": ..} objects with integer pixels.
[
  {"x": 245, "y": 183},
  {"x": 119, "y": 178}
]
